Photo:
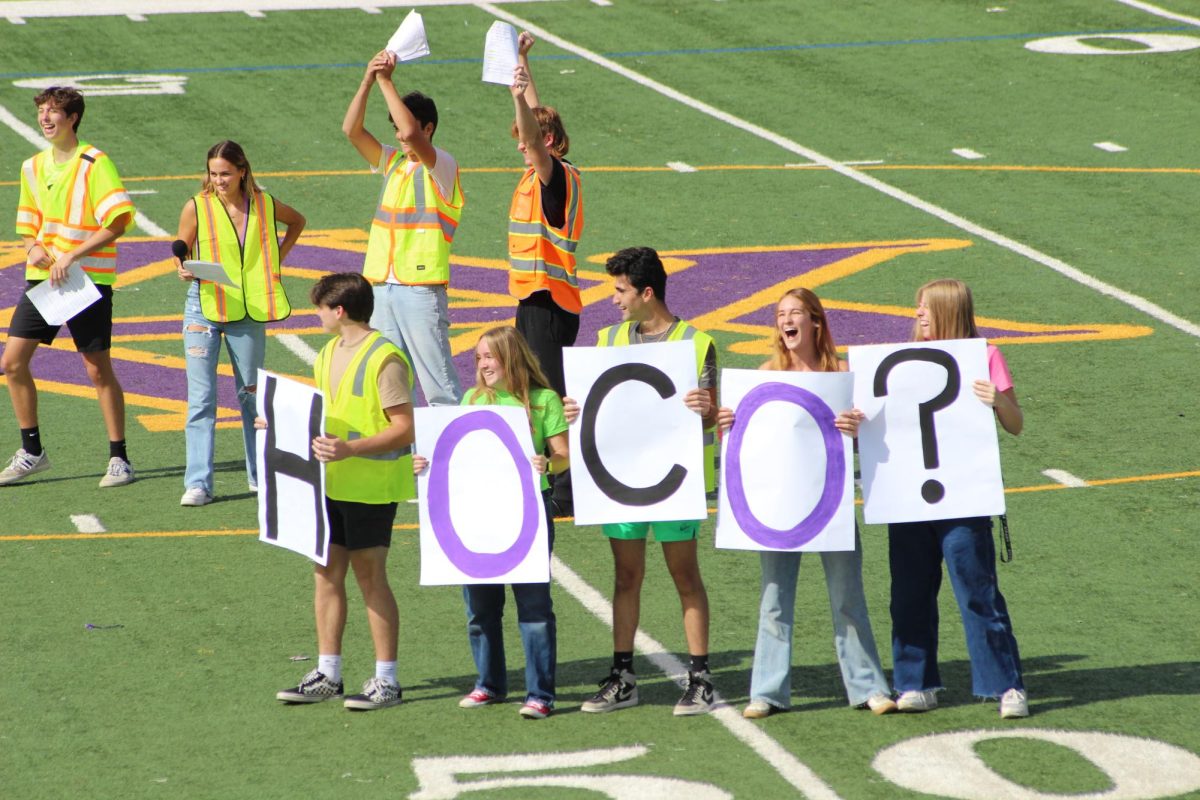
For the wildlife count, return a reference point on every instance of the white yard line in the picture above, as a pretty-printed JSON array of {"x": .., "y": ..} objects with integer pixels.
[
  {"x": 1158, "y": 11},
  {"x": 1065, "y": 478},
  {"x": 87, "y": 523},
  {"x": 18, "y": 11},
  {"x": 1111, "y": 147},
  {"x": 966, "y": 152},
  {"x": 1061, "y": 267},
  {"x": 298, "y": 346},
  {"x": 680, "y": 166},
  {"x": 775, "y": 754}
]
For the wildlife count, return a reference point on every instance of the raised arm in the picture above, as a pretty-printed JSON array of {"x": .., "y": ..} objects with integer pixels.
[
  {"x": 352, "y": 125},
  {"x": 529, "y": 132},
  {"x": 408, "y": 128},
  {"x": 525, "y": 43}
]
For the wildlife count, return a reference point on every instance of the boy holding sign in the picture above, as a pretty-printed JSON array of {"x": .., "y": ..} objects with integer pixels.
[
  {"x": 367, "y": 382},
  {"x": 639, "y": 290}
]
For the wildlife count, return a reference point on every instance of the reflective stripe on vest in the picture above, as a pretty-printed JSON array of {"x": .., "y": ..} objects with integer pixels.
[
  {"x": 541, "y": 257},
  {"x": 410, "y": 239},
  {"x": 618, "y": 336},
  {"x": 253, "y": 265},
  {"x": 355, "y": 412}
]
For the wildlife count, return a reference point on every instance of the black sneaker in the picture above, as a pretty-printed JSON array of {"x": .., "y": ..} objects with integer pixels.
[
  {"x": 314, "y": 688},
  {"x": 376, "y": 693},
  {"x": 618, "y": 690},
  {"x": 698, "y": 697}
]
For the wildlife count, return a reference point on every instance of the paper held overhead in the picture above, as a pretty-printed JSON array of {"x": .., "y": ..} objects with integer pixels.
[
  {"x": 500, "y": 54},
  {"x": 408, "y": 43}
]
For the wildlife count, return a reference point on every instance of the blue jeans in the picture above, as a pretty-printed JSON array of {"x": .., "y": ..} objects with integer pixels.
[
  {"x": 246, "y": 341},
  {"x": 771, "y": 677},
  {"x": 417, "y": 320},
  {"x": 915, "y": 551},
  {"x": 535, "y": 620}
]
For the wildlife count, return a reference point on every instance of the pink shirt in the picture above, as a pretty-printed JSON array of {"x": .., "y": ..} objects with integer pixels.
[{"x": 998, "y": 369}]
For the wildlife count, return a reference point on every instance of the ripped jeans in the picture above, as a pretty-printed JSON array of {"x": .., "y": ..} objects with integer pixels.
[{"x": 246, "y": 341}]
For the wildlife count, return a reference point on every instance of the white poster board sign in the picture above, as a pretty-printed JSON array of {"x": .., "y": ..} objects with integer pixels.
[
  {"x": 481, "y": 511},
  {"x": 637, "y": 451},
  {"x": 787, "y": 472},
  {"x": 291, "y": 481},
  {"x": 928, "y": 449}
]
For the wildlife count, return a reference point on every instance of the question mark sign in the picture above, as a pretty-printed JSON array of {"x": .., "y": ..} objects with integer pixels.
[{"x": 931, "y": 490}]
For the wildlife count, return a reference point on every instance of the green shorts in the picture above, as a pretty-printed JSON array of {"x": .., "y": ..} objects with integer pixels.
[{"x": 674, "y": 531}]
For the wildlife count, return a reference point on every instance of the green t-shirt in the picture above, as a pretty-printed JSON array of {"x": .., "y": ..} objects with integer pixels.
[{"x": 545, "y": 411}]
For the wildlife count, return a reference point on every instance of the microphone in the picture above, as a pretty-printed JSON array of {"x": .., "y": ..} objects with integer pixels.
[{"x": 180, "y": 249}]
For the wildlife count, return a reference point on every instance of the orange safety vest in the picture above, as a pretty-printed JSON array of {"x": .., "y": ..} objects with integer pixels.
[
  {"x": 541, "y": 257},
  {"x": 413, "y": 228}
]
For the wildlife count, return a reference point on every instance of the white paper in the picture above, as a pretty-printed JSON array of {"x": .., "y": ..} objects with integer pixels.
[
  {"x": 899, "y": 483},
  {"x": 408, "y": 43},
  {"x": 57, "y": 304},
  {"x": 480, "y": 498},
  {"x": 291, "y": 507},
  {"x": 787, "y": 473},
  {"x": 500, "y": 54},
  {"x": 639, "y": 438},
  {"x": 210, "y": 271}
]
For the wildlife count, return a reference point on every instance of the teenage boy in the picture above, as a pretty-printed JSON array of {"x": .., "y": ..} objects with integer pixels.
[
  {"x": 639, "y": 290},
  {"x": 367, "y": 450},
  {"x": 408, "y": 250},
  {"x": 71, "y": 211},
  {"x": 544, "y": 226}
]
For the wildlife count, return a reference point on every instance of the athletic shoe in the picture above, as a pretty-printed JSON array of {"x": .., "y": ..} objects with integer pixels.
[
  {"x": 1014, "y": 704},
  {"x": 313, "y": 688},
  {"x": 120, "y": 472},
  {"x": 23, "y": 465},
  {"x": 480, "y": 697},
  {"x": 196, "y": 496},
  {"x": 536, "y": 709},
  {"x": 697, "y": 697},
  {"x": 252, "y": 487},
  {"x": 618, "y": 690},
  {"x": 376, "y": 693},
  {"x": 759, "y": 709},
  {"x": 917, "y": 700},
  {"x": 880, "y": 703}
]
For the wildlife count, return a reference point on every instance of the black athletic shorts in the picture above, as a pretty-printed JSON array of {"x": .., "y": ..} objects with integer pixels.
[
  {"x": 91, "y": 328},
  {"x": 357, "y": 526}
]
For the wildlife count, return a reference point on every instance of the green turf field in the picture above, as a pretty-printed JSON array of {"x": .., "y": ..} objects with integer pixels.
[{"x": 711, "y": 130}]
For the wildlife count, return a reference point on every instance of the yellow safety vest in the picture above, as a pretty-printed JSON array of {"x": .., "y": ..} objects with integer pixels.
[
  {"x": 618, "y": 336},
  {"x": 355, "y": 412},
  {"x": 254, "y": 265},
  {"x": 541, "y": 257},
  {"x": 61, "y": 217},
  {"x": 413, "y": 228}
]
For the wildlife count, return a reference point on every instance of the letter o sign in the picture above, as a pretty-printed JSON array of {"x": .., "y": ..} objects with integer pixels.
[
  {"x": 835, "y": 467},
  {"x": 480, "y": 565}
]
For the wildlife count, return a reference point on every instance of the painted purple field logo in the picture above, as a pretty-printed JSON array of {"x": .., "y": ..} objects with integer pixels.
[{"x": 729, "y": 292}]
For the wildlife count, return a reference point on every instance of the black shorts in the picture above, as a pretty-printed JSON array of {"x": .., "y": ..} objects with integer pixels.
[
  {"x": 357, "y": 526},
  {"x": 91, "y": 328}
]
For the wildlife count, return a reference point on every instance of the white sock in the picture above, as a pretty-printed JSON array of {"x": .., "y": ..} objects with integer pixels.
[
  {"x": 386, "y": 670},
  {"x": 330, "y": 667}
]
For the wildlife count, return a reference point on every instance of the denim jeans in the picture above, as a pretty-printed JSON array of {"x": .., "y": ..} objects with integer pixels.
[
  {"x": 417, "y": 320},
  {"x": 862, "y": 675},
  {"x": 535, "y": 620},
  {"x": 246, "y": 341},
  {"x": 915, "y": 551}
]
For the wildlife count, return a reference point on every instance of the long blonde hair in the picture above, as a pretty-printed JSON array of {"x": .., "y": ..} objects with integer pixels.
[
  {"x": 951, "y": 310},
  {"x": 825, "y": 347},
  {"x": 232, "y": 152},
  {"x": 522, "y": 372}
]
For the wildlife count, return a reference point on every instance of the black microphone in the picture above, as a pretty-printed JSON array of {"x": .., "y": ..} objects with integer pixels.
[{"x": 180, "y": 249}]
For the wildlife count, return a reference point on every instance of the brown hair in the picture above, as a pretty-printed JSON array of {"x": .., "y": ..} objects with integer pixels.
[
  {"x": 67, "y": 98},
  {"x": 522, "y": 372},
  {"x": 550, "y": 124},
  {"x": 951, "y": 310},
  {"x": 350, "y": 290},
  {"x": 825, "y": 347},
  {"x": 232, "y": 152}
]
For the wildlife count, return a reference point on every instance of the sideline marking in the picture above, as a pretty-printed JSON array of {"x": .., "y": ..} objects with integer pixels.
[
  {"x": 1160, "y": 12},
  {"x": 966, "y": 152},
  {"x": 784, "y": 762},
  {"x": 1111, "y": 147},
  {"x": 87, "y": 523},
  {"x": 1065, "y": 478},
  {"x": 129, "y": 8},
  {"x": 1063, "y": 268},
  {"x": 37, "y": 140}
]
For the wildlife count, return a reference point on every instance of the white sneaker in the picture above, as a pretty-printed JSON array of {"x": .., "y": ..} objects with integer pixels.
[
  {"x": 1014, "y": 704},
  {"x": 253, "y": 487},
  {"x": 917, "y": 700},
  {"x": 23, "y": 465},
  {"x": 119, "y": 473},
  {"x": 880, "y": 703},
  {"x": 196, "y": 496}
]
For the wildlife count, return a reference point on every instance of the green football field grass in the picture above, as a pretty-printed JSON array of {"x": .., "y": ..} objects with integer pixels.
[{"x": 194, "y": 624}]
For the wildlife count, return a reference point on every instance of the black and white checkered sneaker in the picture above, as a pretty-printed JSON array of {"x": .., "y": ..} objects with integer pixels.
[
  {"x": 376, "y": 693},
  {"x": 314, "y": 688}
]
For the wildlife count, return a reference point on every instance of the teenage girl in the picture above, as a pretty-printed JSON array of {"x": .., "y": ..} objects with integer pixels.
[
  {"x": 508, "y": 374},
  {"x": 803, "y": 343},
  {"x": 916, "y": 550}
]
